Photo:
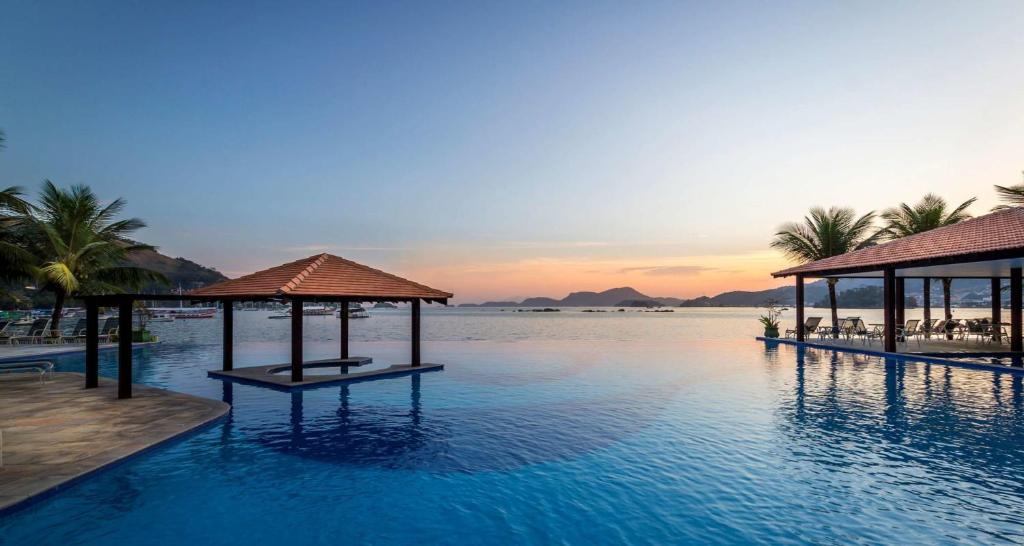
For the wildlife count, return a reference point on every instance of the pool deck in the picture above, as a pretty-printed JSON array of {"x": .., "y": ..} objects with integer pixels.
[
  {"x": 265, "y": 375},
  {"x": 57, "y": 433},
  {"x": 35, "y": 351}
]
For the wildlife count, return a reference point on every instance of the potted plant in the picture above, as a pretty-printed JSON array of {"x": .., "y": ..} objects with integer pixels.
[{"x": 770, "y": 320}]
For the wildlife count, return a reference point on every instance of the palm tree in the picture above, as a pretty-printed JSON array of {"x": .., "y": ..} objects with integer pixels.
[
  {"x": 81, "y": 248},
  {"x": 1013, "y": 195},
  {"x": 927, "y": 214},
  {"x": 15, "y": 261},
  {"x": 823, "y": 234}
]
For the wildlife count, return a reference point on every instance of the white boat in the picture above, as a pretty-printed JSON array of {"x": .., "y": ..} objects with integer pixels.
[
  {"x": 175, "y": 313},
  {"x": 354, "y": 311},
  {"x": 307, "y": 310}
]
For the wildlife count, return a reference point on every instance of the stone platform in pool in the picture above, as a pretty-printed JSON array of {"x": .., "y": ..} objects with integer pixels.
[
  {"x": 58, "y": 432},
  {"x": 278, "y": 376}
]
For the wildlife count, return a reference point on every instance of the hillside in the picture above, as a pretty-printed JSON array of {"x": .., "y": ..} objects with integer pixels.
[{"x": 179, "y": 271}]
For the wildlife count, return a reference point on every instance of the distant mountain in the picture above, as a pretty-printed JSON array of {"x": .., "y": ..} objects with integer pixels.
[
  {"x": 965, "y": 291},
  {"x": 491, "y": 304},
  {"x": 539, "y": 302},
  {"x": 179, "y": 271},
  {"x": 639, "y": 303},
  {"x": 608, "y": 298}
]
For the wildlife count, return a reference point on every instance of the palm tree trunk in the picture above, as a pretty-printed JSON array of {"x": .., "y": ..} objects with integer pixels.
[
  {"x": 58, "y": 306},
  {"x": 947, "y": 289},
  {"x": 835, "y": 307}
]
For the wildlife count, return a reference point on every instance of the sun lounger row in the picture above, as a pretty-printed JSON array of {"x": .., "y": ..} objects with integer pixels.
[
  {"x": 914, "y": 329},
  {"x": 38, "y": 331}
]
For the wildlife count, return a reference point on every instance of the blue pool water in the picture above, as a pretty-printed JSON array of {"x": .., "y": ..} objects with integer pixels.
[{"x": 647, "y": 440}]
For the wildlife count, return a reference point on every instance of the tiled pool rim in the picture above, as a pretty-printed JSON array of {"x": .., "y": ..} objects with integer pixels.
[{"x": 927, "y": 358}]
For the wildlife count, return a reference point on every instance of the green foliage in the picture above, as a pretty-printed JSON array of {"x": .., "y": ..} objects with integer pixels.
[
  {"x": 78, "y": 246},
  {"x": 770, "y": 320},
  {"x": 825, "y": 233},
  {"x": 927, "y": 214},
  {"x": 1013, "y": 196}
]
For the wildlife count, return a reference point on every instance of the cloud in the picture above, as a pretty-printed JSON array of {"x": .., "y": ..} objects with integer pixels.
[{"x": 668, "y": 270}]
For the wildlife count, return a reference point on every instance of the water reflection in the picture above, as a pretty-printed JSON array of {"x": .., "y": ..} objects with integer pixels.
[
  {"x": 960, "y": 428},
  {"x": 355, "y": 431}
]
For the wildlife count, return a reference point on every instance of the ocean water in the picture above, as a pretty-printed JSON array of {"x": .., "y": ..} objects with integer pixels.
[{"x": 562, "y": 428}]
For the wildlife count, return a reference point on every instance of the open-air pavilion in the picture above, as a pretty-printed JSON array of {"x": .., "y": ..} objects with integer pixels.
[
  {"x": 319, "y": 278},
  {"x": 987, "y": 247}
]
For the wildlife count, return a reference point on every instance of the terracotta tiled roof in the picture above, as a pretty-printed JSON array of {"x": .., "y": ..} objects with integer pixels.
[
  {"x": 323, "y": 275},
  {"x": 976, "y": 239}
]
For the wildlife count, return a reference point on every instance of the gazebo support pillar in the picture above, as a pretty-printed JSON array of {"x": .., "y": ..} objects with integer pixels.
[
  {"x": 92, "y": 344},
  {"x": 124, "y": 348},
  {"x": 889, "y": 309},
  {"x": 343, "y": 314},
  {"x": 926, "y": 295},
  {"x": 296, "y": 340},
  {"x": 901, "y": 302},
  {"x": 800, "y": 334},
  {"x": 1016, "y": 343},
  {"x": 997, "y": 308},
  {"x": 416, "y": 332},
  {"x": 228, "y": 335}
]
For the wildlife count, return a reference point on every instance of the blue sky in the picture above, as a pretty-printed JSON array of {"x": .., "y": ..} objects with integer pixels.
[{"x": 510, "y": 149}]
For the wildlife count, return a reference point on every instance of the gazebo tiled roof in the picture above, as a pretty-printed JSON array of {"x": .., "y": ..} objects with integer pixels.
[
  {"x": 992, "y": 236},
  {"x": 322, "y": 275}
]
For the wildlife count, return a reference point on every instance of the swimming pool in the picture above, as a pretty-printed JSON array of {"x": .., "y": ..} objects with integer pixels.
[{"x": 556, "y": 441}]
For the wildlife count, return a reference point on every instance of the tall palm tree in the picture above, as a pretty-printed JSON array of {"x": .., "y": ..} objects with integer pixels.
[
  {"x": 1012, "y": 195},
  {"x": 81, "y": 248},
  {"x": 823, "y": 234},
  {"x": 927, "y": 214}
]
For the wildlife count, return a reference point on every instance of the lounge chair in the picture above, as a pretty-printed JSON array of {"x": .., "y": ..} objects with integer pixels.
[
  {"x": 76, "y": 334},
  {"x": 35, "y": 334},
  {"x": 847, "y": 327},
  {"x": 108, "y": 331},
  {"x": 908, "y": 330},
  {"x": 810, "y": 326},
  {"x": 866, "y": 334},
  {"x": 45, "y": 368},
  {"x": 13, "y": 331},
  {"x": 6, "y": 326}
]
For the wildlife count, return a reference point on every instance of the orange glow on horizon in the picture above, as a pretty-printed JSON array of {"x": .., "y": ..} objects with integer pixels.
[{"x": 687, "y": 277}]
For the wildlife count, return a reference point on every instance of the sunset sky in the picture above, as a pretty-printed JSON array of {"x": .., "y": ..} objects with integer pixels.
[{"x": 512, "y": 149}]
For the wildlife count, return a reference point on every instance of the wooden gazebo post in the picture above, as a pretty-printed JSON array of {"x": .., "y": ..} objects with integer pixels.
[
  {"x": 92, "y": 343},
  {"x": 416, "y": 332},
  {"x": 228, "y": 335},
  {"x": 800, "y": 334},
  {"x": 901, "y": 302},
  {"x": 926, "y": 294},
  {"x": 296, "y": 340},
  {"x": 889, "y": 308},
  {"x": 997, "y": 308},
  {"x": 124, "y": 347},
  {"x": 1015, "y": 311},
  {"x": 343, "y": 315}
]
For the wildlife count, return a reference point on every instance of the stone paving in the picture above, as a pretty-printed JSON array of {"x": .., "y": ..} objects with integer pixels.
[{"x": 57, "y": 431}]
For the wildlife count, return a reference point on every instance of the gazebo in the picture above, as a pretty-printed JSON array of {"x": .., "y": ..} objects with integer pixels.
[
  {"x": 988, "y": 247},
  {"x": 319, "y": 278}
]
